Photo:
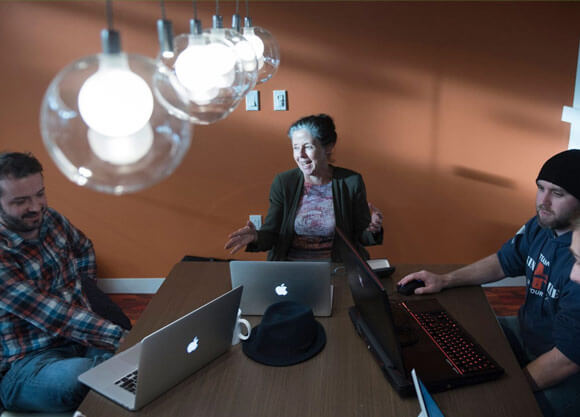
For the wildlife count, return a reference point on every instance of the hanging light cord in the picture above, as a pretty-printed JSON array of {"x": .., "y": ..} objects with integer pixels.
[
  {"x": 110, "y": 39},
  {"x": 195, "y": 9},
  {"x": 109, "y": 11},
  {"x": 162, "y": 5},
  {"x": 237, "y": 6},
  {"x": 247, "y": 9},
  {"x": 217, "y": 7}
]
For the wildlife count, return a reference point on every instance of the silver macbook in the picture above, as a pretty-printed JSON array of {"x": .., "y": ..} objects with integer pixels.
[
  {"x": 266, "y": 283},
  {"x": 141, "y": 373}
]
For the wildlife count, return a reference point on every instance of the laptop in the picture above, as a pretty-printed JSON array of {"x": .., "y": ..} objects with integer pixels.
[
  {"x": 269, "y": 282},
  {"x": 412, "y": 334},
  {"x": 429, "y": 407},
  {"x": 141, "y": 373}
]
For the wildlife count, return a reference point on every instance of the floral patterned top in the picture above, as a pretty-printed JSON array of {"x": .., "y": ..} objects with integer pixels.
[{"x": 314, "y": 224}]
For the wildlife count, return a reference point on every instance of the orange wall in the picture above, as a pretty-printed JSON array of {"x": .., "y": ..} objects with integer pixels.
[{"x": 447, "y": 109}]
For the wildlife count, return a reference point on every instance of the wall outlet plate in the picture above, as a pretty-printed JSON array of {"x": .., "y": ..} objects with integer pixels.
[
  {"x": 253, "y": 100},
  {"x": 280, "y": 100}
]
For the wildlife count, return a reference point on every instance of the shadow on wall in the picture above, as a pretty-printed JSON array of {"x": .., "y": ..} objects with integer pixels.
[
  {"x": 484, "y": 177},
  {"x": 423, "y": 94},
  {"x": 452, "y": 215}
]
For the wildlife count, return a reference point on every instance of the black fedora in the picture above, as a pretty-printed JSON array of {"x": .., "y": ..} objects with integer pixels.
[{"x": 287, "y": 335}]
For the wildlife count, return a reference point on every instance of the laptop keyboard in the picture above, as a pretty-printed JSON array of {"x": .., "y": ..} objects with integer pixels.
[
  {"x": 128, "y": 382},
  {"x": 457, "y": 346}
]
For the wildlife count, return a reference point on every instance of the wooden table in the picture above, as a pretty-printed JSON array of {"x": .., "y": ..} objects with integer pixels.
[{"x": 343, "y": 380}]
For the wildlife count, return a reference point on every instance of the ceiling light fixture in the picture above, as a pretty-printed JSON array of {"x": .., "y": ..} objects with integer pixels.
[
  {"x": 102, "y": 125},
  {"x": 241, "y": 48},
  {"x": 265, "y": 46},
  {"x": 207, "y": 73}
]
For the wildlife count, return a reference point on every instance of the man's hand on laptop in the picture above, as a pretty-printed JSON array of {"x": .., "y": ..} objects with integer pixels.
[{"x": 433, "y": 282}]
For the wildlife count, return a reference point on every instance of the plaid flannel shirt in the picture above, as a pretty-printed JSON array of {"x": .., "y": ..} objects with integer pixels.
[{"x": 41, "y": 300}]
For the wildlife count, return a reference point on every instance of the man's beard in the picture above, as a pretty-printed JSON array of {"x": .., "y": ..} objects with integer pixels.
[
  {"x": 16, "y": 224},
  {"x": 554, "y": 223}
]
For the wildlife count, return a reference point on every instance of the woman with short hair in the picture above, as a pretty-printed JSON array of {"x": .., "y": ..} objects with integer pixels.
[{"x": 308, "y": 202}]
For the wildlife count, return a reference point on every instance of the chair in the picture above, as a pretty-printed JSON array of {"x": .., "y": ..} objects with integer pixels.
[{"x": 102, "y": 304}]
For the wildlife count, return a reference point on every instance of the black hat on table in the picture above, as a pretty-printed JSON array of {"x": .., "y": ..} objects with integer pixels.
[{"x": 287, "y": 335}]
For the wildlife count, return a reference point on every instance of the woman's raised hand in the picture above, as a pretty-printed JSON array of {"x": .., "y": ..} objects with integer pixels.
[{"x": 241, "y": 237}]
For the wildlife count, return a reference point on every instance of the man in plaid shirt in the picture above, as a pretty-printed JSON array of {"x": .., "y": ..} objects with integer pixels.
[{"x": 48, "y": 332}]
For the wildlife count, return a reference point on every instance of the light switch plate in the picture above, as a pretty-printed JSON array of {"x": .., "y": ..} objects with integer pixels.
[
  {"x": 280, "y": 100},
  {"x": 253, "y": 100},
  {"x": 257, "y": 220}
]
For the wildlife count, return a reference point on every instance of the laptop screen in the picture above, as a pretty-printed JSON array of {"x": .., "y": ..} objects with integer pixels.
[{"x": 370, "y": 299}]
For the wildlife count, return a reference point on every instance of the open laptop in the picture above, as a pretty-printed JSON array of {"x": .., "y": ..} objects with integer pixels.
[
  {"x": 141, "y": 373},
  {"x": 429, "y": 407},
  {"x": 401, "y": 340},
  {"x": 269, "y": 282}
]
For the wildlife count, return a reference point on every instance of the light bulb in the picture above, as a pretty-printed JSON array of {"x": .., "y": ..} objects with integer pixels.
[
  {"x": 121, "y": 150},
  {"x": 266, "y": 48},
  {"x": 247, "y": 52},
  {"x": 206, "y": 77},
  {"x": 242, "y": 51},
  {"x": 257, "y": 45},
  {"x": 192, "y": 89},
  {"x": 194, "y": 75},
  {"x": 222, "y": 58},
  {"x": 204, "y": 69},
  {"x": 115, "y": 101},
  {"x": 114, "y": 163}
]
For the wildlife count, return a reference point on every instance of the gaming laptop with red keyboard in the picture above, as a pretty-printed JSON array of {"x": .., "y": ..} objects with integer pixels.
[{"x": 411, "y": 334}]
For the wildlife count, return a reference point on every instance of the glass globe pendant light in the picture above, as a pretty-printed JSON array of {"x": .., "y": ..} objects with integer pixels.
[
  {"x": 265, "y": 46},
  {"x": 246, "y": 52},
  {"x": 207, "y": 76},
  {"x": 104, "y": 127},
  {"x": 242, "y": 48}
]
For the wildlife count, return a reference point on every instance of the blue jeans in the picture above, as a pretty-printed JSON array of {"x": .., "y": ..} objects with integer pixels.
[
  {"x": 561, "y": 400},
  {"x": 47, "y": 380}
]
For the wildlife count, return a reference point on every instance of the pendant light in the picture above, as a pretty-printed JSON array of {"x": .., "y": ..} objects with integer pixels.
[
  {"x": 242, "y": 48},
  {"x": 207, "y": 74},
  {"x": 103, "y": 125},
  {"x": 165, "y": 34},
  {"x": 245, "y": 50},
  {"x": 265, "y": 46}
]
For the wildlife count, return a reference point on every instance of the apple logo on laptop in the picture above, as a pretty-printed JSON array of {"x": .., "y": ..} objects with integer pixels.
[
  {"x": 193, "y": 345},
  {"x": 281, "y": 289}
]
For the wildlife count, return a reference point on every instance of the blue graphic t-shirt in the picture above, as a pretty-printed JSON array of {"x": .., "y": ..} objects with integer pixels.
[{"x": 550, "y": 315}]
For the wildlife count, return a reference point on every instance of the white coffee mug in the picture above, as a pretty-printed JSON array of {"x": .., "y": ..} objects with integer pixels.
[{"x": 238, "y": 334}]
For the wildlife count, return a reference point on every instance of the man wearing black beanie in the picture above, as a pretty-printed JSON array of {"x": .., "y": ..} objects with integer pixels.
[
  {"x": 562, "y": 169},
  {"x": 545, "y": 335}
]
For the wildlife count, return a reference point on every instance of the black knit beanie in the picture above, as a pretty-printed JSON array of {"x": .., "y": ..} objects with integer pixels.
[{"x": 563, "y": 170}]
